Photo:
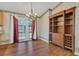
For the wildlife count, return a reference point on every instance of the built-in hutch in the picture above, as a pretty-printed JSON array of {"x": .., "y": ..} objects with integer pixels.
[{"x": 61, "y": 29}]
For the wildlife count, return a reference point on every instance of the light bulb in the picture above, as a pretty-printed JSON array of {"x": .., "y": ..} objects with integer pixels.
[
  {"x": 29, "y": 13},
  {"x": 35, "y": 14}
]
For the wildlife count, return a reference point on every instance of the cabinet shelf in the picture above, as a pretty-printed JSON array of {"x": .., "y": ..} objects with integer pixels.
[
  {"x": 68, "y": 34},
  {"x": 68, "y": 18},
  {"x": 68, "y": 24},
  {"x": 58, "y": 26},
  {"x": 58, "y": 21},
  {"x": 68, "y": 47}
]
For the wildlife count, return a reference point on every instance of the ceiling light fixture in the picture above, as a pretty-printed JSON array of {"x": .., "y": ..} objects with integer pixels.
[{"x": 31, "y": 13}]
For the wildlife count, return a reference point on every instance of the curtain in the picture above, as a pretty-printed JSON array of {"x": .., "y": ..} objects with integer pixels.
[
  {"x": 15, "y": 29},
  {"x": 34, "y": 29}
]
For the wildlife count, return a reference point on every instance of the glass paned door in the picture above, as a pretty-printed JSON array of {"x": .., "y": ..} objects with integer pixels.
[
  {"x": 23, "y": 29},
  {"x": 22, "y": 32},
  {"x": 30, "y": 28}
]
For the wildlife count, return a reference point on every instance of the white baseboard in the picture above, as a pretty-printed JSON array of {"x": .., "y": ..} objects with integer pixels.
[
  {"x": 44, "y": 40},
  {"x": 4, "y": 43},
  {"x": 76, "y": 53}
]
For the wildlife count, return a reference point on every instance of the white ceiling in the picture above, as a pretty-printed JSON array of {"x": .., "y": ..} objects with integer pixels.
[{"x": 24, "y": 7}]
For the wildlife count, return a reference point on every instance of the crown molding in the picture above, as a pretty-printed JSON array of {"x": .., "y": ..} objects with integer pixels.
[
  {"x": 11, "y": 12},
  {"x": 51, "y": 9},
  {"x": 37, "y": 16}
]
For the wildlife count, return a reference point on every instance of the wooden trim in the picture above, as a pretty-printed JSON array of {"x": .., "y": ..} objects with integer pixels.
[
  {"x": 74, "y": 30},
  {"x": 58, "y": 14},
  {"x": 70, "y": 10},
  {"x": 64, "y": 28},
  {"x": 67, "y": 11},
  {"x": 50, "y": 16}
]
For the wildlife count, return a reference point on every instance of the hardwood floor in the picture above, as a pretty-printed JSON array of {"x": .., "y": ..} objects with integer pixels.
[{"x": 33, "y": 48}]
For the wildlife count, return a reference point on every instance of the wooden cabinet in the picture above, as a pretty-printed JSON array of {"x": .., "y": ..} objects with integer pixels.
[
  {"x": 62, "y": 30},
  {"x": 69, "y": 26},
  {"x": 58, "y": 29},
  {"x": 1, "y": 25},
  {"x": 1, "y": 18}
]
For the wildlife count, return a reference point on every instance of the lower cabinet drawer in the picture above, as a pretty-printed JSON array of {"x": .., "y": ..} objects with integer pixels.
[{"x": 58, "y": 39}]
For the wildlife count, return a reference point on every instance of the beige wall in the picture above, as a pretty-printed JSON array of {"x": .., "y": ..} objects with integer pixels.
[
  {"x": 38, "y": 27},
  {"x": 77, "y": 31},
  {"x": 44, "y": 27}
]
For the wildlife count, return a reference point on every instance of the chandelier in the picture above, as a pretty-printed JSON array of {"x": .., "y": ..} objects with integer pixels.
[{"x": 31, "y": 13}]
